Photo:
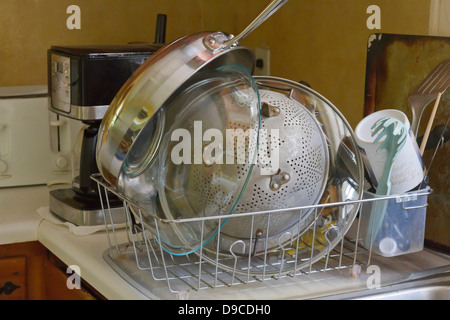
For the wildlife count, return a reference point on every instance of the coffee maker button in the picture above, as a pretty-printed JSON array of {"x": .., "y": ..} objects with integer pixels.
[
  {"x": 61, "y": 162},
  {"x": 3, "y": 166}
]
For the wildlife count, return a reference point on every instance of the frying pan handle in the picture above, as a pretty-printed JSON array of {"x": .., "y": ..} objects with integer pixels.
[{"x": 213, "y": 42}]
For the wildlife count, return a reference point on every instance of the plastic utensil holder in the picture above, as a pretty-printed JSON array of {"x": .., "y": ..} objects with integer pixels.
[{"x": 403, "y": 227}]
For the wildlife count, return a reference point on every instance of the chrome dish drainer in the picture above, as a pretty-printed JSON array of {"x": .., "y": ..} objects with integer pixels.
[{"x": 322, "y": 249}]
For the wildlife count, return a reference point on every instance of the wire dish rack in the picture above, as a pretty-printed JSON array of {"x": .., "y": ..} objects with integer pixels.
[{"x": 322, "y": 249}]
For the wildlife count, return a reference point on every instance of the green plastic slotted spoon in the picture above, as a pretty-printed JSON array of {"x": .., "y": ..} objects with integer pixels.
[{"x": 395, "y": 134}]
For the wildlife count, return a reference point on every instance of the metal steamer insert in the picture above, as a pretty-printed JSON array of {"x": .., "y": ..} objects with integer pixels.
[{"x": 298, "y": 180}]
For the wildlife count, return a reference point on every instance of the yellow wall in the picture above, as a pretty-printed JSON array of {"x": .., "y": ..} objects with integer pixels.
[
  {"x": 324, "y": 42},
  {"x": 320, "y": 41},
  {"x": 29, "y": 27}
]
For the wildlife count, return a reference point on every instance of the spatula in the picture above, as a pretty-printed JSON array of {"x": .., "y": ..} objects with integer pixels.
[
  {"x": 434, "y": 84},
  {"x": 395, "y": 134}
]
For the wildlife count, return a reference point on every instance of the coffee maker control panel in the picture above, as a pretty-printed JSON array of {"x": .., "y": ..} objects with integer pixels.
[
  {"x": 61, "y": 82},
  {"x": 83, "y": 80}
]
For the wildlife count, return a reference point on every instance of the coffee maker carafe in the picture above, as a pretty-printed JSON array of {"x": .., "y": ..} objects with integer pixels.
[
  {"x": 83, "y": 81},
  {"x": 83, "y": 160}
]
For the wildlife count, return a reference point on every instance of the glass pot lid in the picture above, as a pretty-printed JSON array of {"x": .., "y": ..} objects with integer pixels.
[{"x": 196, "y": 159}]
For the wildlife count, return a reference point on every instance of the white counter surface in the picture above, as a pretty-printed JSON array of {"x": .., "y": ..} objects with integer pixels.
[{"x": 19, "y": 222}]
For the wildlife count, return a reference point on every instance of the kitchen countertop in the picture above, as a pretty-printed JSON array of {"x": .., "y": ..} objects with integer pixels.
[{"x": 20, "y": 222}]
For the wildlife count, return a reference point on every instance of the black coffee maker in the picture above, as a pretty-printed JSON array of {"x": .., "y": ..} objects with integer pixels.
[{"x": 83, "y": 81}]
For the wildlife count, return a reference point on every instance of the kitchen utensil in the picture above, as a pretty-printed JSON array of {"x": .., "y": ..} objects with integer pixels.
[
  {"x": 395, "y": 136},
  {"x": 407, "y": 172},
  {"x": 439, "y": 135},
  {"x": 430, "y": 124},
  {"x": 440, "y": 142},
  {"x": 157, "y": 80},
  {"x": 182, "y": 181},
  {"x": 300, "y": 168},
  {"x": 437, "y": 81},
  {"x": 346, "y": 160},
  {"x": 319, "y": 133}
]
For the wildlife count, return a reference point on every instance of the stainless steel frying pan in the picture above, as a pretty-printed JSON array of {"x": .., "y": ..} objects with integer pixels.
[{"x": 156, "y": 81}]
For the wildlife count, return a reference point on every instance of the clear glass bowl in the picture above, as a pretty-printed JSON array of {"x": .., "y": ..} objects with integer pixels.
[{"x": 181, "y": 165}]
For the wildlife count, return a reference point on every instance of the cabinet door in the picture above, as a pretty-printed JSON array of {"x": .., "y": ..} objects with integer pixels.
[
  {"x": 56, "y": 285},
  {"x": 13, "y": 278}
]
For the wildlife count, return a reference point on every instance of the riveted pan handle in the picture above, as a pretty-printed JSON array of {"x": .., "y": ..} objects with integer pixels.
[{"x": 217, "y": 41}]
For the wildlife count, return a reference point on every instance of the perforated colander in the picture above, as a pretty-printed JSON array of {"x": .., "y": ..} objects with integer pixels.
[{"x": 291, "y": 171}]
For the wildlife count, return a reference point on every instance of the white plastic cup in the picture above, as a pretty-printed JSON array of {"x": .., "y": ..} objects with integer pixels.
[
  {"x": 388, "y": 247},
  {"x": 407, "y": 171}
]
